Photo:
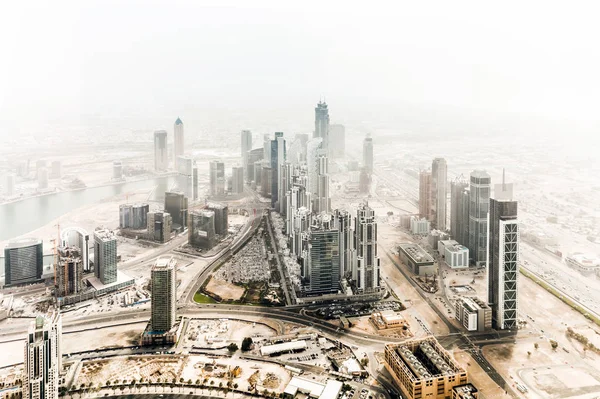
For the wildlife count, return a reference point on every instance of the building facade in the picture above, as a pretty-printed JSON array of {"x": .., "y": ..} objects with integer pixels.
[
  {"x": 425, "y": 202},
  {"x": 246, "y": 145},
  {"x": 176, "y": 205},
  {"x": 324, "y": 261},
  {"x": 160, "y": 225},
  {"x": 161, "y": 160},
  {"x": 69, "y": 272},
  {"x": 368, "y": 154},
  {"x": 439, "y": 188},
  {"x": 479, "y": 206},
  {"x": 237, "y": 180},
  {"x": 179, "y": 146},
  {"x": 322, "y": 124},
  {"x": 23, "y": 261},
  {"x": 459, "y": 211},
  {"x": 367, "y": 271},
  {"x": 217, "y": 178},
  {"x": 201, "y": 230},
  {"x": 164, "y": 298},
  {"x": 105, "y": 256}
]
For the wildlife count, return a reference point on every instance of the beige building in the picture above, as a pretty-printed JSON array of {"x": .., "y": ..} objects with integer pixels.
[{"x": 388, "y": 319}]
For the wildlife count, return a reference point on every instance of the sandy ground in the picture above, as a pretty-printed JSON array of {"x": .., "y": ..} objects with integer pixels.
[
  {"x": 477, "y": 376},
  {"x": 224, "y": 289},
  {"x": 200, "y": 332}
]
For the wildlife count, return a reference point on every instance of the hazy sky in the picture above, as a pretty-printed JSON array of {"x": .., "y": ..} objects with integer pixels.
[{"x": 63, "y": 60}]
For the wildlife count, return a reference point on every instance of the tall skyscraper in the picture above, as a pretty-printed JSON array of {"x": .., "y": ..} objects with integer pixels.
[
  {"x": 343, "y": 222},
  {"x": 23, "y": 261},
  {"x": 42, "y": 178},
  {"x": 159, "y": 226},
  {"x": 201, "y": 230},
  {"x": 69, "y": 271},
  {"x": 459, "y": 211},
  {"x": 368, "y": 154},
  {"x": 425, "y": 195},
  {"x": 367, "y": 272},
  {"x": 277, "y": 161},
  {"x": 322, "y": 124},
  {"x": 479, "y": 206},
  {"x": 503, "y": 259},
  {"x": 176, "y": 204},
  {"x": 164, "y": 299},
  {"x": 178, "y": 147},
  {"x": 322, "y": 199},
  {"x": 439, "y": 190},
  {"x": 337, "y": 141},
  {"x": 43, "y": 358},
  {"x": 237, "y": 180},
  {"x": 246, "y": 136},
  {"x": 217, "y": 178},
  {"x": 161, "y": 162},
  {"x": 313, "y": 151},
  {"x": 105, "y": 256},
  {"x": 324, "y": 256}
]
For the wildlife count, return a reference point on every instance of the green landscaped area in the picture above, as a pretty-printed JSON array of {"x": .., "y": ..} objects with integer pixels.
[{"x": 201, "y": 298}]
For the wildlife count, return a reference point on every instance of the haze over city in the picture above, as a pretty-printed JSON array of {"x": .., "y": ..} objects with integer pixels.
[{"x": 315, "y": 200}]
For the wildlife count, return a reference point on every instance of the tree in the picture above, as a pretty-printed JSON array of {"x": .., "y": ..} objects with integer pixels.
[
  {"x": 528, "y": 353},
  {"x": 232, "y": 347},
  {"x": 220, "y": 384},
  {"x": 235, "y": 385},
  {"x": 212, "y": 382},
  {"x": 536, "y": 345},
  {"x": 553, "y": 344},
  {"x": 364, "y": 361},
  {"x": 246, "y": 344}
]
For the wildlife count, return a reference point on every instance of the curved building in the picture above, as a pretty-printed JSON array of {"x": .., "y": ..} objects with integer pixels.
[
  {"x": 23, "y": 261},
  {"x": 80, "y": 238}
]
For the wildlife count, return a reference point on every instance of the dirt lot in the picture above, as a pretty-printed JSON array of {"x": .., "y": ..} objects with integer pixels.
[
  {"x": 478, "y": 377},
  {"x": 224, "y": 289}
]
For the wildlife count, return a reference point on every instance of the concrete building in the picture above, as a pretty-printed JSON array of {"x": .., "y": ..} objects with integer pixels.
[
  {"x": 322, "y": 198},
  {"x": 466, "y": 391},
  {"x": 313, "y": 151},
  {"x": 368, "y": 154},
  {"x": 252, "y": 159},
  {"x": 201, "y": 230},
  {"x": 221, "y": 212},
  {"x": 303, "y": 388},
  {"x": 105, "y": 256},
  {"x": 367, "y": 270},
  {"x": 42, "y": 362},
  {"x": 178, "y": 145},
  {"x": 417, "y": 259},
  {"x": 388, "y": 319},
  {"x": 23, "y": 261},
  {"x": 69, "y": 272},
  {"x": 265, "y": 180},
  {"x": 337, "y": 141},
  {"x": 246, "y": 145},
  {"x": 176, "y": 204},
  {"x": 78, "y": 238},
  {"x": 322, "y": 124},
  {"x": 459, "y": 211},
  {"x": 473, "y": 314},
  {"x": 164, "y": 295},
  {"x": 237, "y": 180},
  {"x": 161, "y": 160},
  {"x": 439, "y": 190},
  {"x": 423, "y": 369},
  {"x": 278, "y": 157},
  {"x": 419, "y": 226},
  {"x": 479, "y": 205},
  {"x": 502, "y": 260},
  {"x": 324, "y": 259},
  {"x": 343, "y": 223},
  {"x": 160, "y": 225},
  {"x": 425, "y": 195},
  {"x": 133, "y": 216},
  {"x": 217, "y": 179},
  {"x": 195, "y": 182},
  {"x": 117, "y": 170},
  {"x": 456, "y": 256}
]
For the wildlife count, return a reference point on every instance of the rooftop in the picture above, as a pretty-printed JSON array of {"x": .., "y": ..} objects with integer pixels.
[
  {"x": 178, "y": 121},
  {"x": 97, "y": 284},
  {"x": 416, "y": 253},
  {"x": 23, "y": 242}
]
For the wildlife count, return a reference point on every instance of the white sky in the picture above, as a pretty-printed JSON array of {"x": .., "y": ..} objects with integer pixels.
[{"x": 64, "y": 60}]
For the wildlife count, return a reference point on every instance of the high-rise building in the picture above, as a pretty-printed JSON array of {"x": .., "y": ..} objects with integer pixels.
[
  {"x": 221, "y": 212},
  {"x": 479, "y": 206},
  {"x": 503, "y": 259},
  {"x": 425, "y": 195},
  {"x": 296, "y": 152},
  {"x": 161, "y": 162},
  {"x": 195, "y": 182},
  {"x": 368, "y": 154},
  {"x": 237, "y": 180},
  {"x": 459, "y": 211},
  {"x": 9, "y": 185},
  {"x": 313, "y": 151},
  {"x": 69, "y": 271},
  {"x": 343, "y": 222},
  {"x": 23, "y": 261},
  {"x": 178, "y": 145},
  {"x": 79, "y": 238},
  {"x": 176, "y": 204},
  {"x": 367, "y": 271},
  {"x": 160, "y": 225},
  {"x": 265, "y": 180},
  {"x": 43, "y": 358},
  {"x": 117, "y": 170},
  {"x": 324, "y": 259},
  {"x": 322, "y": 124},
  {"x": 201, "y": 230},
  {"x": 246, "y": 138},
  {"x": 322, "y": 198},
  {"x": 253, "y": 156},
  {"x": 217, "y": 179},
  {"x": 439, "y": 190},
  {"x": 56, "y": 170},
  {"x": 42, "y": 178},
  {"x": 105, "y": 256},
  {"x": 164, "y": 295},
  {"x": 277, "y": 161},
  {"x": 337, "y": 141}
]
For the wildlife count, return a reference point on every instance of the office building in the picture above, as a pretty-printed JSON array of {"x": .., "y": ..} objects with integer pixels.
[
  {"x": 164, "y": 295},
  {"x": 9, "y": 185},
  {"x": 459, "y": 211},
  {"x": 277, "y": 161},
  {"x": 313, "y": 151},
  {"x": 343, "y": 223},
  {"x": 195, "y": 182},
  {"x": 455, "y": 255},
  {"x": 217, "y": 179},
  {"x": 416, "y": 259},
  {"x": 296, "y": 152},
  {"x": 246, "y": 145},
  {"x": 178, "y": 145},
  {"x": 133, "y": 216},
  {"x": 78, "y": 238},
  {"x": 201, "y": 230},
  {"x": 479, "y": 205},
  {"x": 503, "y": 258},
  {"x": 42, "y": 362},
  {"x": 221, "y": 212},
  {"x": 69, "y": 271},
  {"x": 105, "y": 256},
  {"x": 161, "y": 161},
  {"x": 237, "y": 180},
  {"x": 423, "y": 369},
  {"x": 160, "y": 225},
  {"x": 42, "y": 178},
  {"x": 425, "y": 195},
  {"x": 322, "y": 124},
  {"x": 419, "y": 226},
  {"x": 439, "y": 189},
  {"x": 303, "y": 388},
  {"x": 368, "y": 154},
  {"x": 252, "y": 159},
  {"x": 367, "y": 273},
  {"x": 117, "y": 170},
  {"x": 324, "y": 259},
  {"x": 176, "y": 204},
  {"x": 265, "y": 180},
  {"x": 56, "y": 170},
  {"x": 473, "y": 314},
  {"x": 322, "y": 199},
  {"x": 23, "y": 261},
  {"x": 337, "y": 141}
]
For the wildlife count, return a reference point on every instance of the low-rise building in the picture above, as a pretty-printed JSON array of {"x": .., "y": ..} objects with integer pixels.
[
  {"x": 473, "y": 314},
  {"x": 388, "y": 319},
  {"x": 466, "y": 391},
  {"x": 285, "y": 347},
  {"x": 419, "y": 226},
  {"x": 417, "y": 259},
  {"x": 303, "y": 388},
  {"x": 455, "y": 255}
]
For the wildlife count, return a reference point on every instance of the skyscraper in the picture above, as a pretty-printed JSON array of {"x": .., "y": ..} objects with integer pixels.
[
  {"x": 425, "y": 195},
  {"x": 161, "y": 162},
  {"x": 69, "y": 273},
  {"x": 367, "y": 273},
  {"x": 195, "y": 182},
  {"x": 502, "y": 259},
  {"x": 322, "y": 199},
  {"x": 246, "y": 136},
  {"x": 479, "y": 206},
  {"x": 217, "y": 178},
  {"x": 324, "y": 257},
  {"x": 439, "y": 189},
  {"x": 178, "y": 147},
  {"x": 343, "y": 223},
  {"x": 23, "y": 261},
  {"x": 201, "y": 230},
  {"x": 176, "y": 204},
  {"x": 337, "y": 141},
  {"x": 43, "y": 358},
  {"x": 459, "y": 211},
  {"x": 105, "y": 256},
  {"x": 237, "y": 180},
  {"x": 313, "y": 151},
  {"x": 164, "y": 290},
  {"x": 277, "y": 161},
  {"x": 159, "y": 226},
  {"x": 42, "y": 178},
  {"x": 368, "y": 154},
  {"x": 322, "y": 124}
]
